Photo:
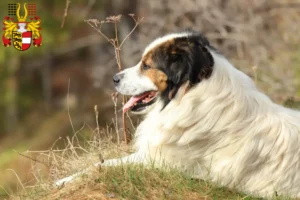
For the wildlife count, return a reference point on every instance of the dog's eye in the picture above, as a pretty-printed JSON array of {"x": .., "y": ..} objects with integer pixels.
[{"x": 145, "y": 67}]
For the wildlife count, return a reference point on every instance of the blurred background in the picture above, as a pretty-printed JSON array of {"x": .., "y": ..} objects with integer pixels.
[{"x": 71, "y": 72}]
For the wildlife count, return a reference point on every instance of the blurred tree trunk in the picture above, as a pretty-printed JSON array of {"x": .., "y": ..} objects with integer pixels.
[{"x": 11, "y": 93}]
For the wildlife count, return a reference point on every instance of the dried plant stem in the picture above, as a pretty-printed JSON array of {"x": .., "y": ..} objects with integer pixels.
[
  {"x": 33, "y": 159},
  {"x": 17, "y": 178},
  {"x": 130, "y": 120},
  {"x": 126, "y": 136},
  {"x": 137, "y": 22},
  {"x": 118, "y": 58},
  {"x": 65, "y": 13},
  {"x": 254, "y": 68},
  {"x": 115, "y": 101},
  {"x": 97, "y": 119},
  {"x": 96, "y": 24}
]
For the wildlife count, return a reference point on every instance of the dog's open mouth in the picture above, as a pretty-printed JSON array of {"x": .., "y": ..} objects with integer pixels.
[{"x": 140, "y": 102}]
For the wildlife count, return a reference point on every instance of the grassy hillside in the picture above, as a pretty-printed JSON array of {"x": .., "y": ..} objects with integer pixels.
[{"x": 122, "y": 182}]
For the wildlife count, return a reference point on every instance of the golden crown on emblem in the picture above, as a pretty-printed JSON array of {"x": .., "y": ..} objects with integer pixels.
[{"x": 22, "y": 18}]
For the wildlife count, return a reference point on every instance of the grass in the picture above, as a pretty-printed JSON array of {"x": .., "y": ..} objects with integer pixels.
[{"x": 130, "y": 182}]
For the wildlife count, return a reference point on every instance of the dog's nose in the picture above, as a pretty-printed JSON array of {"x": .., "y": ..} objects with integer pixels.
[{"x": 116, "y": 79}]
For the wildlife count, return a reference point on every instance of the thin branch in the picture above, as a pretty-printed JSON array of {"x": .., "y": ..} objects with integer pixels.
[
  {"x": 126, "y": 136},
  {"x": 55, "y": 142},
  {"x": 137, "y": 22},
  {"x": 97, "y": 122},
  {"x": 65, "y": 13},
  {"x": 17, "y": 177},
  {"x": 117, "y": 47},
  {"x": 115, "y": 101},
  {"x": 75, "y": 135},
  {"x": 58, "y": 150},
  {"x": 94, "y": 23},
  {"x": 8, "y": 194},
  {"x": 33, "y": 159}
]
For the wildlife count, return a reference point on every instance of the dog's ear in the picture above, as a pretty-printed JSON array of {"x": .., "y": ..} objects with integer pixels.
[
  {"x": 177, "y": 74},
  {"x": 201, "y": 62},
  {"x": 190, "y": 62}
]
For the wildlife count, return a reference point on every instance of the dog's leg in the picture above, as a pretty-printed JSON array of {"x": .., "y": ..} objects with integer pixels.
[
  {"x": 134, "y": 158},
  {"x": 68, "y": 179}
]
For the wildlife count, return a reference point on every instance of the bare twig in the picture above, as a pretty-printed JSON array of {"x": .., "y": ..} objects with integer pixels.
[
  {"x": 59, "y": 138},
  {"x": 75, "y": 135},
  {"x": 254, "y": 68},
  {"x": 97, "y": 123},
  {"x": 96, "y": 24},
  {"x": 8, "y": 194},
  {"x": 137, "y": 22},
  {"x": 115, "y": 101},
  {"x": 130, "y": 120},
  {"x": 65, "y": 13},
  {"x": 33, "y": 159},
  {"x": 126, "y": 136},
  {"x": 58, "y": 150},
  {"x": 17, "y": 178}
]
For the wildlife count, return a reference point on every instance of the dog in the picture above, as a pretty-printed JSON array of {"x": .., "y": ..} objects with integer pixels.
[{"x": 208, "y": 119}]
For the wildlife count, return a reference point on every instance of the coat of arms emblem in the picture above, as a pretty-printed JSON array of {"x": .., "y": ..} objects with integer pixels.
[{"x": 20, "y": 32}]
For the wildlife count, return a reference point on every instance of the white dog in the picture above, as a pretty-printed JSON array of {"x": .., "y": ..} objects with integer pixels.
[{"x": 208, "y": 119}]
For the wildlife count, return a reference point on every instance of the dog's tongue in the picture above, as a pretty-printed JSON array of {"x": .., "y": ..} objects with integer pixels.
[{"x": 133, "y": 100}]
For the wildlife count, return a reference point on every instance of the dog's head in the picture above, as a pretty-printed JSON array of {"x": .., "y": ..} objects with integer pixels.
[{"x": 166, "y": 65}]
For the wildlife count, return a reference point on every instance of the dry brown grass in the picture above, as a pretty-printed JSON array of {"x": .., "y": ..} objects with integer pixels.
[{"x": 119, "y": 182}]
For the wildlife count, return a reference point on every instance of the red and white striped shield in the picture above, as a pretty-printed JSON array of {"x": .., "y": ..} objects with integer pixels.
[{"x": 22, "y": 41}]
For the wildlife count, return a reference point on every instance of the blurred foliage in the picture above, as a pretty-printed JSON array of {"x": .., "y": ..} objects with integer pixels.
[
  {"x": 22, "y": 79},
  {"x": 54, "y": 37},
  {"x": 51, "y": 32}
]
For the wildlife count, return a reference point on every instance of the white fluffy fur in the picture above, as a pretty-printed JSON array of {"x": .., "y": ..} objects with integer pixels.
[
  {"x": 226, "y": 131},
  {"x": 133, "y": 82},
  {"x": 164, "y": 39}
]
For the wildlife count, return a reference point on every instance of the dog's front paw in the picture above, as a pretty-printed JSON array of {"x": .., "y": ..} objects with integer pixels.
[{"x": 62, "y": 182}]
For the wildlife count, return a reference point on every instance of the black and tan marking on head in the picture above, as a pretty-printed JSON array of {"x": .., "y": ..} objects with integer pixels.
[{"x": 176, "y": 59}]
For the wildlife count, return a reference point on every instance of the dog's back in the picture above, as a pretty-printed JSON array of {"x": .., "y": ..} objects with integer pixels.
[{"x": 226, "y": 131}]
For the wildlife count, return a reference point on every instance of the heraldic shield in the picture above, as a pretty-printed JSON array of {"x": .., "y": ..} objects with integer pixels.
[{"x": 22, "y": 40}]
